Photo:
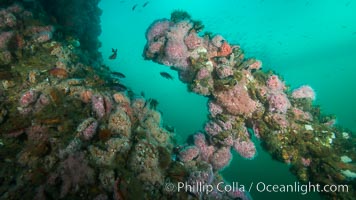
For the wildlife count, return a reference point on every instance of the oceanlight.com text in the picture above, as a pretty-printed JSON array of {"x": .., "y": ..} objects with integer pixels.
[{"x": 296, "y": 187}]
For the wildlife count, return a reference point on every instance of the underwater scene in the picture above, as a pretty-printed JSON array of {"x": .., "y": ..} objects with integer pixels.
[{"x": 189, "y": 99}]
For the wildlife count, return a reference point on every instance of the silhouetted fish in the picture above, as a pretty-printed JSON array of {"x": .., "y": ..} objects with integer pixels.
[
  {"x": 145, "y": 4},
  {"x": 114, "y": 54},
  {"x": 130, "y": 94},
  {"x": 169, "y": 128},
  {"x": 134, "y": 7},
  {"x": 153, "y": 103},
  {"x": 118, "y": 74},
  {"x": 166, "y": 75},
  {"x": 173, "y": 68},
  {"x": 119, "y": 87},
  {"x": 142, "y": 94},
  {"x": 177, "y": 149}
]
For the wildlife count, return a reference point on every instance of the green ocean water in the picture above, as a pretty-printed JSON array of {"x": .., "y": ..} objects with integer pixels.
[{"x": 307, "y": 42}]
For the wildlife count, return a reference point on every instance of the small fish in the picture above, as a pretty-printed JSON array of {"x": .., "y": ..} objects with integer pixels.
[
  {"x": 6, "y": 75},
  {"x": 114, "y": 54},
  {"x": 134, "y": 7},
  {"x": 170, "y": 128},
  {"x": 130, "y": 94},
  {"x": 119, "y": 87},
  {"x": 145, "y": 4},
  {"x": 118, "y": 74},
  {"x": 153, "y": 104},
  {"x": 166, "y": 75},
  {"x": 143, "y": 94},
  {"x": 50, "y": 121},
  {"x": 177, "y": 149},
  {"x": 15, "y": 133},
  {"x": 112, "y": 81},
  {"x": 58, "y": 72},
  {"x": 117, "y": 192}
]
